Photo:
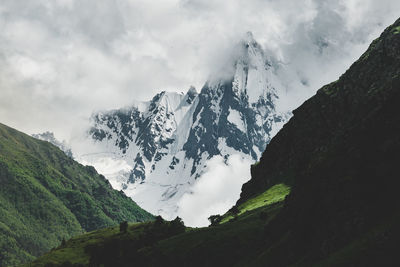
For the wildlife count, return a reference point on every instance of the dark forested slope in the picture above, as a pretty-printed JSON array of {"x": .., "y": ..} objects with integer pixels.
[{"x": 341, "y": 150}]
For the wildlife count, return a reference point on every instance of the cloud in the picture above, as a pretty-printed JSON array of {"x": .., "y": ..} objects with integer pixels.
[
  {"x": 62, "y": 59},
  {"x": 216, "y": 191},
  {"x": 116, "y": 170},
  {"x": 319, "y": 48}
]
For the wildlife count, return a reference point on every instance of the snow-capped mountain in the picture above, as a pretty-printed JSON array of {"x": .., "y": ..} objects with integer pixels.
[
  {"x": 162, "y": 146},
  {"x": 49, "y": 137}
]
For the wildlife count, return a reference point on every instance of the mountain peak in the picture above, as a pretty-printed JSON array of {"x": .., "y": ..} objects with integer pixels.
[{"x": 169, "y": 144}]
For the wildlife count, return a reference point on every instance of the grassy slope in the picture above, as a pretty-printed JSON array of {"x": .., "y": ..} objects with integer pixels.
[
  {"x": 232, "y": 243},
  {"x": 45, "y": 196},
  {"x": 276, "y": 193},
  {"x": 238, "y": 237},
  {"x": 74, "y": 249}
]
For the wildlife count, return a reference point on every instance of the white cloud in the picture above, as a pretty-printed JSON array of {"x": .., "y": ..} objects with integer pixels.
[
  {"x": 216, "y": 191},
  {"x": 114, "y": 169},
  {"x": 63, "y": 59}
]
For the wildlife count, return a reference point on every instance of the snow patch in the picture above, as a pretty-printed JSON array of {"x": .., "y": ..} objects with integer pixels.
[{"x": 235, "y": 118}]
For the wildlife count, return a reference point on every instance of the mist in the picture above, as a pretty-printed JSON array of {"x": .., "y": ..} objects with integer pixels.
[
  {"x": 63, "y": 59},
  {"x": 216, "y": 191}
]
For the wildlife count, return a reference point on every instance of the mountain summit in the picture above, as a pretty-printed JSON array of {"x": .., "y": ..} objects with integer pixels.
[{"x": 167, "y": 142}]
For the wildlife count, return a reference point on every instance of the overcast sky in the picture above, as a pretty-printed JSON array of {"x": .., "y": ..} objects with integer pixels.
[{"x": 62, "y": 59}]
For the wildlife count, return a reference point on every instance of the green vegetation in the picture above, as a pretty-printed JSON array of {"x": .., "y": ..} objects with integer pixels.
[
  {"x": 74, "y": 249},
  {"x": 108, "y": 246},
  {"x": 215, "y": 219},
  {"x": 46, "y": 196},
  {"x": 233, "y": 243},
  {"x": 274, "y": 194},
  {"x": 166, "y": 243},
  {"x": 162, "y": 242},
  {"x": 396, "y": 30}
]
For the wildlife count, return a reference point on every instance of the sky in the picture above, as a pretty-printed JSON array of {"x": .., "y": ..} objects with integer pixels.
[{"x": 63, "y": 59}]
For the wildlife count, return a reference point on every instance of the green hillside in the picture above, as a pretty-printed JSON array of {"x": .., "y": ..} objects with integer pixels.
[
  {"x": 46, "y": 196},
  {"x": 227, "y": 244}
]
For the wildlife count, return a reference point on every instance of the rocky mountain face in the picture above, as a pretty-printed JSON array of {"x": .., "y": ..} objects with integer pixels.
[{"x": 167, "y": 141}]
